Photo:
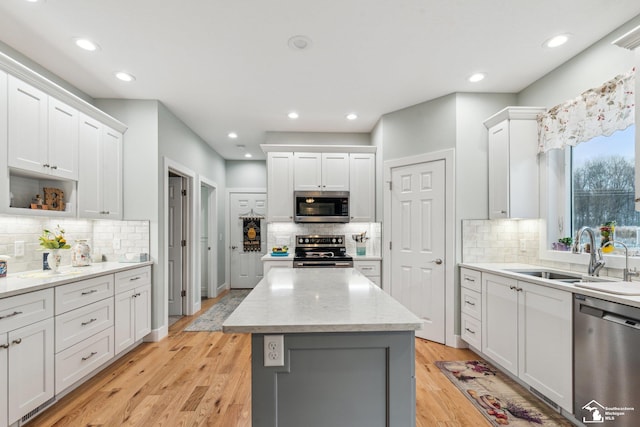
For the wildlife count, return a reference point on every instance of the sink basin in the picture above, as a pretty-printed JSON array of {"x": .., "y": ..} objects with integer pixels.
[{"x": 561, "y": 276}]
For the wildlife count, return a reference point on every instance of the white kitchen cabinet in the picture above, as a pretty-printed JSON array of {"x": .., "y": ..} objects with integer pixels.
[
  {"x": 513, "y": 163},
  {"x": 280, "y": 186},
  {"x": 526, "y": 329},
  {"x": 321, "y": 171},
  {"x": 471, "y": 307},
  {"x": 370, "y": 268},
  {"x": 100, "y": 173},
  {"x": 42, "y": 132},
  {"x": 362, "y": 184},
  {"x": 26, "y": 354},
  {"x": 132, "y": 307}
]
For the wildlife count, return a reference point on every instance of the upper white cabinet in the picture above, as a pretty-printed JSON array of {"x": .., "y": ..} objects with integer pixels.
[
  {"x": 321, "y": 171},
  {"x": 100, "y": 178},
  {"x": 42, "y": 132},
  {"x": 513, "y": 163},
  {"x": 362, "y": 180},
  {"x": 280, "y": 186}
]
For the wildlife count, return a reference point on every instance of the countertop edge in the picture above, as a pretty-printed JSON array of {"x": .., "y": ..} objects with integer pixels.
[{"x": 292, "y": 329}]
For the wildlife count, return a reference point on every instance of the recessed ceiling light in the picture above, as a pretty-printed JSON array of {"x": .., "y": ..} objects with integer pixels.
[
  {"x": 125, "y": 77},
  {"x": 299, "y": 42},
  {"x": 232, "y": 135},
  {"x": 556, "y": 41},
  {"x": 352, "y": 116},
  {"x": 474, "y": 78},
  {"x": 86, "y": 44},
  {"x": 34, "y": 1},
  {"x": 248, "y": 155},
  {"x": 293, "y": 115}
]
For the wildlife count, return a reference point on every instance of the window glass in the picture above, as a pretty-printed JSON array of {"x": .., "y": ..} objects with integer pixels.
[{"x": 602, "y": 184}]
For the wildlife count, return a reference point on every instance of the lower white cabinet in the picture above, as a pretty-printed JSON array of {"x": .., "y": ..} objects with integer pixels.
[
  {"x": 268, "y": 265},
  {"x": 371, "y": 269},
  {"x": 526, "y": 329},
  {"x": 132, "y": 307},
  {"x": 26, "y": 354}
]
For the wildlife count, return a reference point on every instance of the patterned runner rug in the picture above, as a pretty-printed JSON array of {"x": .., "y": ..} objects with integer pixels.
[
  {"x": 500, "y": 399},
  {"x": 212, "y": 319}
]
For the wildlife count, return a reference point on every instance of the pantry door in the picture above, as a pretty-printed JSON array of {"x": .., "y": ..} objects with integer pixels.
[
  {"x": 418, "y": 243},
  {"x": 246, "y": 267}
]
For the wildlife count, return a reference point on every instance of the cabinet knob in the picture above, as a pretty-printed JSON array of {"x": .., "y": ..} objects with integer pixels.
[
  {"x": 17, "y": 341},
  {"x": 46, "y": 165},
  {"x": 5, "y": 346},
  {"x": 54, "y": 167}
]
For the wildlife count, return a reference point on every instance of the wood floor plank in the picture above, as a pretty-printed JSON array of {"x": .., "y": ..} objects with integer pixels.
[{"x": 204, "y": 379}]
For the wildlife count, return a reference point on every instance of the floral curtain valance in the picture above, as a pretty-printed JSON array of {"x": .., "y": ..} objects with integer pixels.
[{"x": 598, "y": 111}]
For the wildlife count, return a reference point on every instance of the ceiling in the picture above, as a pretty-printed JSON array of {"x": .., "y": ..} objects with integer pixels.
[{"x": 224, "y": 66}]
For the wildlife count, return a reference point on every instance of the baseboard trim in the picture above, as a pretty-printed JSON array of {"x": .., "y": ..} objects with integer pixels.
[{"x": 157, "y": 334}]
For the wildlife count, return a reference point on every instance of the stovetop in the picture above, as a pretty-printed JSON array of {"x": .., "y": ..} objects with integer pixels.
[{"x": 321, "y": 247}]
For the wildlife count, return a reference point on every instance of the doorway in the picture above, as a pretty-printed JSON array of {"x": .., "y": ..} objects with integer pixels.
[
  {"x": 419, "y": 240},
  {"x": 208, "y": 239},
  {"x": 177, "y": 264},
  {"x": 245, "y": 266}
]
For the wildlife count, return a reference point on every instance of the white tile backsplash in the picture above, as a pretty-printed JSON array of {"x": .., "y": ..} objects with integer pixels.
[
  {"x": 133, "y": 236},
  {"x": 501, "y": 240}
]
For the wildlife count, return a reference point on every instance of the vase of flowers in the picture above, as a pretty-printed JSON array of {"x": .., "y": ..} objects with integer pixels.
[
  {"x": 53, "y": 241},
  {"x": 606, "y": 235}
]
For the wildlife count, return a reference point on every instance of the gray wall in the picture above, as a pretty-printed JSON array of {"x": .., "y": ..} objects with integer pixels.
[
  {"x": 246, "y": 174},
  {"x": 318, "y": 138}
]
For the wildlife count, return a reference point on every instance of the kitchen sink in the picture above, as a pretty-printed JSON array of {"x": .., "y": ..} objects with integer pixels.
[{"x": 561, "y": 276}]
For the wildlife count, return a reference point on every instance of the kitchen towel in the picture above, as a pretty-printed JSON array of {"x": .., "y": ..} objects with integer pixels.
[{"x": 251, "y": 234}]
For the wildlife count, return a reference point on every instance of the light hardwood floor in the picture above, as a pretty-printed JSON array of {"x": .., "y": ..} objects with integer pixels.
[{"x": 204, "y": 379}]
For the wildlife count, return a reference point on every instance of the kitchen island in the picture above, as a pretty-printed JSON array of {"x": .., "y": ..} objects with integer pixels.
[{"x": 347, "y": 350}]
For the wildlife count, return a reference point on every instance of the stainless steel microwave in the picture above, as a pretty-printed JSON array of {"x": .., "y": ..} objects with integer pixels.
[{"x": 321, "y": 206}]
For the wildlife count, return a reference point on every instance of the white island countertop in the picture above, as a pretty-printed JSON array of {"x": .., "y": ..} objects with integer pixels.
[{"x": 303, "y": 300}]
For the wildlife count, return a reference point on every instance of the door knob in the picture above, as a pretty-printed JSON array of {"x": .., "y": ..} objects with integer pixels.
[
  {"x": 437, "y": 261},
  {"x": 234, "y": 247}
]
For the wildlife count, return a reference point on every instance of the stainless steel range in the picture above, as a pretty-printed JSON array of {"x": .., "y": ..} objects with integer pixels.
[{"x": 321, "y": 251}]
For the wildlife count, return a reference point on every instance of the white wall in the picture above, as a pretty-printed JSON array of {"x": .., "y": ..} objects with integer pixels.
[
  {"x": 317, "y": 138},
  {"x": 246, "y": 174}
]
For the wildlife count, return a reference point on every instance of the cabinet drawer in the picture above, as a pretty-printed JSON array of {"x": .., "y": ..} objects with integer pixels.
[
  {"x": 470, "y": 279},
  {"x": 368, "y": 268},
  {"x": 78, "y": 294},
  {"x": 79, "y": 324},
  {"x": 471, "y": 331},
  {"x": 127, "y": 280},
  {"x": 25, "y": 309},
  {"x": 81, "y": 359},
  {"x": 470, "y": 303}
]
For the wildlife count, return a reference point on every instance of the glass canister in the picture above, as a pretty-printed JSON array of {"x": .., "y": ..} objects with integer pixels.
[{"x": 80, "y": 254}]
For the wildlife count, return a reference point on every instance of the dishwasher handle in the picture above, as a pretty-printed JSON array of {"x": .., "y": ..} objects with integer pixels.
[{"x": 609, "y": 316}]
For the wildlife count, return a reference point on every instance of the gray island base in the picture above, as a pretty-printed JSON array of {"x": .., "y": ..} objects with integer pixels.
[{"x": 349, "y": 351}]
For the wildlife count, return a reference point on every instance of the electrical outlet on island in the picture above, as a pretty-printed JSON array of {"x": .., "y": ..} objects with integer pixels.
[{"x": 274, "y": 350}]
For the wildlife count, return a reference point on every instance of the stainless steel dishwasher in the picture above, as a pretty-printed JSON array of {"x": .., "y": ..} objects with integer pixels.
[{"x": 606, "y": 367}]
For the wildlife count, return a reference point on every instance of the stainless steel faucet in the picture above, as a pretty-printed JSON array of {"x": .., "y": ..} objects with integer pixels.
[
  {"x": 628, "y": 273},
  {"x": 596, "y": 261}
]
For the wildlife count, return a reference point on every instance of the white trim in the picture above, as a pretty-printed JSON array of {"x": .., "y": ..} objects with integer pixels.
[
  {"x": 318, "y": 148},
  {"x": 227, "y": 261},
  {"x": 156, "y": 334},
  {"x": 450, "y": 231},
  {"x": 212, "y": 220},
  {"x": 170, "y": 165}
]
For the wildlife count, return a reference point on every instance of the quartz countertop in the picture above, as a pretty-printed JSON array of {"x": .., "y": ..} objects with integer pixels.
[
  {"x": 503, "y": 269},
  {"x": 291, "y": 300},
  {"x": 29, "y": 281},
  {"x": 268, "y": 257}
]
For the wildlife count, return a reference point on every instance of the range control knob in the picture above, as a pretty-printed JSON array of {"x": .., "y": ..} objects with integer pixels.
[
  {"x": 306, "y": 240},
  {"x": 300, "y": 240},
  {"x": 339, "y": 240},
  {"x": 333, "y": 240}
]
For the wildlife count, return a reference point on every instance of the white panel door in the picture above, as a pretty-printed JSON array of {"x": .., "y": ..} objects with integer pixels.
[
  {"x": 246, "y": 268},
  {"x": 174, "y": 241},
  {"x": 418, "y": 244}
]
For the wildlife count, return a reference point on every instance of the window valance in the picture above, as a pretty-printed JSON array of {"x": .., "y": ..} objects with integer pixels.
[{"x": 598, "y": 111}]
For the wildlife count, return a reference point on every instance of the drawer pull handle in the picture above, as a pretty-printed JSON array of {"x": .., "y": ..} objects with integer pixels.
[
  {"x": 366, "y": 268},
  {"x": 15, "y": 313},
  {"x": 5, "y": 346},
  {"x": 90, "y": 321},
  {"x": 470, "y": 331},
  {"x": 513, "y": 288},
  {"x": 93, "y": 353},
  {"x": 134, "y": 278},
  {"x": 17, "y": 341},
  {"x": 136, "y": 295},
  {"x": 90, "y": 292},
  {"x": 468, "y": 279},
  {"x": 473, "y": 304}
]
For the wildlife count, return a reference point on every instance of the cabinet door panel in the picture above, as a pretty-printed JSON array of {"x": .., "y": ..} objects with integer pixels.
[
  {"x": 111, "y": 179},
  {"x": 307, "y": 171},
  {"x": 499, "y": 170},
  {"x": 545, "y": 354},
  {"x": 362, "y": 187},
  {"x": 500, "y": 321},
  {"x": 4, "y": 378},
  {"x": 31, "y": 364},
  {"x": 280, "y": 186},
  {"x": 63, "y": 140},
  {"x": 89, "y": 190},
  {"x": 27, "y": 127},
  {"x": 142, "y": 311},
  {"x": 335, "y": 172},
  {"x": 124, "y": 321}
]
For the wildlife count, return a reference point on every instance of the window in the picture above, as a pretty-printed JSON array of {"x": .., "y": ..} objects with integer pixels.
[{"x": 602, "y": 186}]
